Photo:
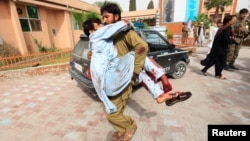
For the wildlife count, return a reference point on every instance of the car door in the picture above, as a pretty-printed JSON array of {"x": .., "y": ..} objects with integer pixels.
[{"x": 159, "y": 49}]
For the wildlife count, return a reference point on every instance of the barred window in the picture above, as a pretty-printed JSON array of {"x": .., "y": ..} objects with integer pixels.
[{"x": 29, "y": 18}]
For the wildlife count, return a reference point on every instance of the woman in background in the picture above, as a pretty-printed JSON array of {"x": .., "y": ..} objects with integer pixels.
[{"x": 218, "y": 53}]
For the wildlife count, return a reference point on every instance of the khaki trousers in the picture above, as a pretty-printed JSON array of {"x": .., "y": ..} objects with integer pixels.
[
  {"x": 233, "y": 53},
  {"x": 118, "y": 120}
]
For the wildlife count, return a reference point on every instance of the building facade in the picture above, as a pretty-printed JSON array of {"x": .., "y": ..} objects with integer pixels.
[
  {"x": 49, "y": 22},
  {"x": 174, "y": 12}
]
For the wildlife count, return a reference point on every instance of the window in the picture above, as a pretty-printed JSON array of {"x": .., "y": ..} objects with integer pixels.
[
  {"x": 75, "y": 23},
  {"x": 29, "y": 18},
  {"x": 154, "y": 38}
]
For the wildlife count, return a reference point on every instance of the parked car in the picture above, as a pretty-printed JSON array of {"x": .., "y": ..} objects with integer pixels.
[{"x": 173, "y": 60}]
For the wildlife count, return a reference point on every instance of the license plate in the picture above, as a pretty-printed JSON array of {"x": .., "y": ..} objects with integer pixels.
[{"x": 78, "y": 67}]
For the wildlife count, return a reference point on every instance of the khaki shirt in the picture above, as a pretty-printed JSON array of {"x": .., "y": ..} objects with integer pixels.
[
  {"x": 130, "y": 41},
  {"x": 239, "y": 28}
]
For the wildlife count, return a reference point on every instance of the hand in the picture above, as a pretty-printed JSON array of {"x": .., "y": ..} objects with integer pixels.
[
  {"x": 89, "y": 54},
  {"x": 135, "y": 76}
]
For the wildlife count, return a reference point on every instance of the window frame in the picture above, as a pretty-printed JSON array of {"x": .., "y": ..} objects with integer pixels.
[{"x": 30, "y": 20}]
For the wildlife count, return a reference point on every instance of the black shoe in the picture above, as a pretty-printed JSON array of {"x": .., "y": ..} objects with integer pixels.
[
  {"x": 233, "y": 67},
  {"x": 227, "y": 68}
]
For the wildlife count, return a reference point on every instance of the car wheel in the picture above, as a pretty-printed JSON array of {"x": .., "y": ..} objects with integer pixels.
[{"x": 179, "y": 70}]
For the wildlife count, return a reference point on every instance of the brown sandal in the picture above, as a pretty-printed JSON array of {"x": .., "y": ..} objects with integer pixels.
[{"x": 182, "y": 96}]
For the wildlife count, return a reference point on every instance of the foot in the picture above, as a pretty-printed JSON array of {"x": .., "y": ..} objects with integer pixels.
[
  {"x": 227, "y": 68},
  {"x": 204, "y": 73},
  {"x": 128, "y": 135},
  {"x": 163, "y": 98},
  {"x": 117, "y": 135},
  {"x": 221, "y": 77},
  {"x": 178, "y": 97},
  {"x": 233, "y": 67}
]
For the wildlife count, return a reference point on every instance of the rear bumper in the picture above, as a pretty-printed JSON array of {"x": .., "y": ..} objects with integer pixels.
[{"x": 85, "y": 83}]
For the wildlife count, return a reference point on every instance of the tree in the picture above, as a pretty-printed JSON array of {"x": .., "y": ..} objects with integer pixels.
[
  {"x": 81, "y": 17},
  {"x": 202, "y": 18},
  {"x": 132, "y": 5},
  {"x": 150, "y": 5},
  {"x": 219, "y": 5}
]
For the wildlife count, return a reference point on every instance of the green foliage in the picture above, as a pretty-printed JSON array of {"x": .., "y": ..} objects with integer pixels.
[
  {"x": 169, "y": 34},
  {"x": 219, "y": 5},
  {"x": 146, "y": 26},
  {"x": 83, "y": 16},
  {"x": 132, "y": 5},
  {"x": 202, "y": 18},
  {"x": 43, "y": 48},
  {"x": 8, "y": 50},
  {"x": 150, "y": 5}
]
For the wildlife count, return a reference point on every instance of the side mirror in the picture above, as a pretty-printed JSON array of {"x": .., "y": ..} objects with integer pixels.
[{"x": 172, "y": 46}]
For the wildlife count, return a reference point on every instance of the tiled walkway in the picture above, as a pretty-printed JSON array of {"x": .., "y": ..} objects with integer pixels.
[{"x": 53, "y": 108}]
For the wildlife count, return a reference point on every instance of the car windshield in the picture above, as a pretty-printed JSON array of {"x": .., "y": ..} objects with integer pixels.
[{"x": 154, "y": 38}]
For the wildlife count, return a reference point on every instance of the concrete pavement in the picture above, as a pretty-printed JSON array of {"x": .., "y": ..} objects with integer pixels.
[{"x": 54, "y": 108}]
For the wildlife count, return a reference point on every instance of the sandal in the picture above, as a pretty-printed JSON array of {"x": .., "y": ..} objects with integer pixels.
[
  {"x": 221, "y": 77},
  {"x": 178, "y": 97}
]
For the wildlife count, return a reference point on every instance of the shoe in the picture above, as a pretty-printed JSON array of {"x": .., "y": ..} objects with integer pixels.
[
  {"x": 227, "y": 68},
  {"x": 117, "y": 135},
  {"x": 233, "y": 67},
  {"x": 162, "y": 98},
  {"x": 178, "y": 97},
  {"x": 128, "y": 134}
]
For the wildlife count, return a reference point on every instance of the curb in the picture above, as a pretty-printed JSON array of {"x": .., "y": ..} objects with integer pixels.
[{"x": 34, "y": 71}]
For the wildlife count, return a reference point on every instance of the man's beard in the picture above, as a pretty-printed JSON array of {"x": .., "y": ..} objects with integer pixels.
[{"x": 114, "y": 21}]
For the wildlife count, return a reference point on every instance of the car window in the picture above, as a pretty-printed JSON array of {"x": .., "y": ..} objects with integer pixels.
[
  {"x": 82, "y": 48},
  {"x": 154, "y": 38}
]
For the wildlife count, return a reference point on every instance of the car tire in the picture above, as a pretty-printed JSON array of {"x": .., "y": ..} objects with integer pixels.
[{"x": 179, "y": 70}]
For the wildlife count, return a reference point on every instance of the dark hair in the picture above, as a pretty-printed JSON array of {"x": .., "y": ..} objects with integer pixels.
[
  {"x": 227, "y": 19},
  {"x": 111, "y": 7},
  {"x": 244, "y": 11},
  {"x": 88, "y": 25}
]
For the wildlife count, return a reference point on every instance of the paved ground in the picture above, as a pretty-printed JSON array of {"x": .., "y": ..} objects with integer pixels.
[{"x": 54, "y": 108}]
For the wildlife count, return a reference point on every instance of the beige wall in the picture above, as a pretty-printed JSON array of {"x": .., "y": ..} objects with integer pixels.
[
  {"x": 10, "y": 30},
  {"x": 53, "y": 14}
]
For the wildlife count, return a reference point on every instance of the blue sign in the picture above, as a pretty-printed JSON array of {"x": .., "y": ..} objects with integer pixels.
[{"x": 192, "y": 9}]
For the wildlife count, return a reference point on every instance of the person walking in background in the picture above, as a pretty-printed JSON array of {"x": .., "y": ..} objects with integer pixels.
[
  {"x": 184, "y": 33},
  {"x": 201, "y": 31},
  {"x": 239, "y": 31},
  {"x": 213, "y": 33},
  {"x": 194, "y": 28},
  {"x": 218, "y": 53}
]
